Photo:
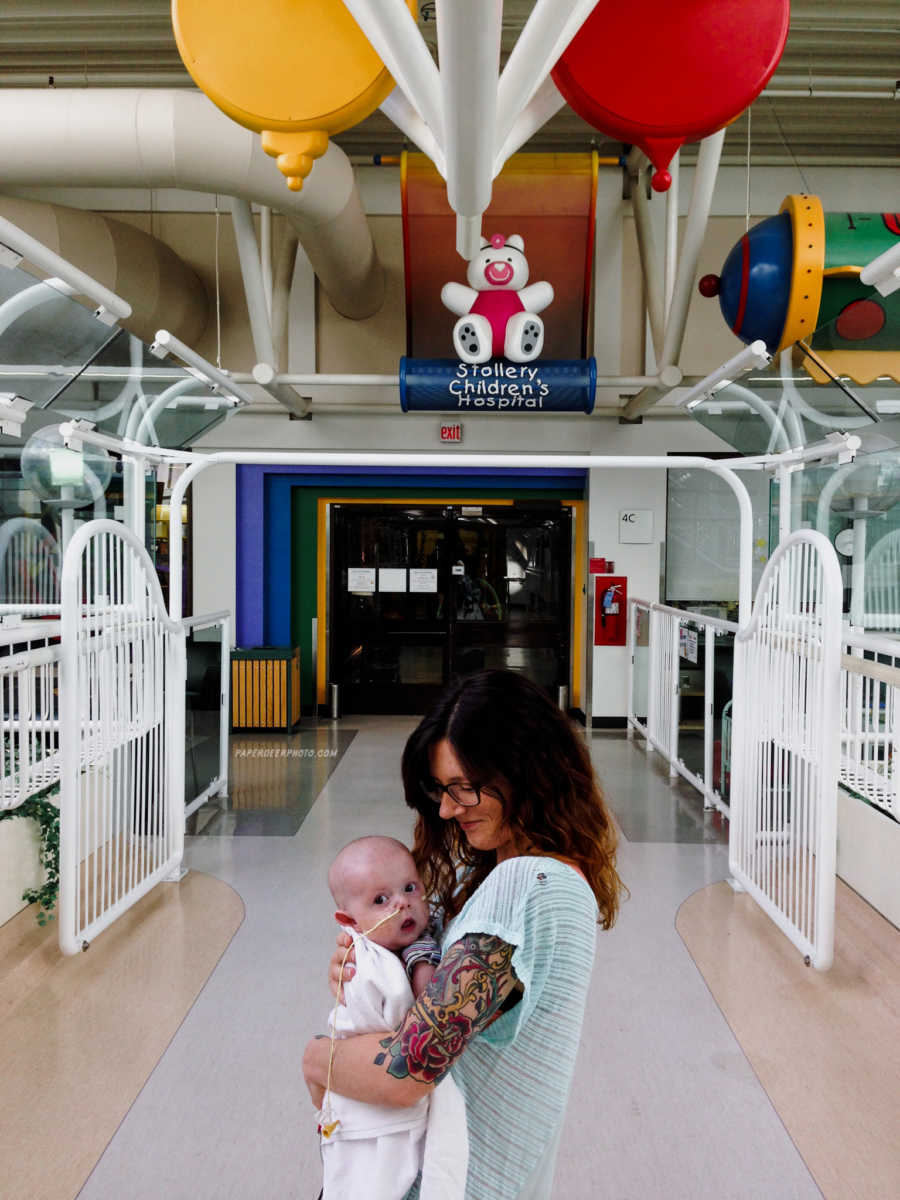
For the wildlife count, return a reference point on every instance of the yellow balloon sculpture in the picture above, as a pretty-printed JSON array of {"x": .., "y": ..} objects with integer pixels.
[{"x": 294, "y": 71}]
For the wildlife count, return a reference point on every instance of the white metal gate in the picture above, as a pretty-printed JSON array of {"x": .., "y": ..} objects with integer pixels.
[
  {"x": 786, "y": 705},
  {"x": 121, "y": 732}
]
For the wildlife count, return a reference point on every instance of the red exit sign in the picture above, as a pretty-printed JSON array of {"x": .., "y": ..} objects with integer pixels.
[{"x": 451, "y": 433}]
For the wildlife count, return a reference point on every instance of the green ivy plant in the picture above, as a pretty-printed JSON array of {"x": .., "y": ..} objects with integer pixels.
[{"x": 42, "y": 809}]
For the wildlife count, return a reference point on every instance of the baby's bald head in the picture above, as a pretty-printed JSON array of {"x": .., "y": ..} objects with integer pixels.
[
  {"x": 378, "y": 892},
  {"x": 355, "y": 865}
]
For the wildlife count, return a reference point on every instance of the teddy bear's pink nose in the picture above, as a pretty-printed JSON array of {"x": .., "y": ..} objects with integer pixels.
[{"x": 498, "y": 272}]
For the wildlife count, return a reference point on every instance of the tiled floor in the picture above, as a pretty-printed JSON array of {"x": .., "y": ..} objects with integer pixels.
[
  {"x": 665, "y": 1105},
  {"x": 274, "y": 780}
]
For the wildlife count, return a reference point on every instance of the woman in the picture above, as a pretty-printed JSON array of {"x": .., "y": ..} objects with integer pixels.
[{"x": 516, "y": 847}]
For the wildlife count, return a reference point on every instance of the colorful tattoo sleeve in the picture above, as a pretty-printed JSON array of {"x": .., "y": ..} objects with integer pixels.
[{"x": 467, "y": 992}]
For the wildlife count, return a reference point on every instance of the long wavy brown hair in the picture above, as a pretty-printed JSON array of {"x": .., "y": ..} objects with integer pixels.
[{"x": 506, "y": 731}]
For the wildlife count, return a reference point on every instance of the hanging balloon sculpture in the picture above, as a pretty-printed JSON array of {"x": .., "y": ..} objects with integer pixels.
[
  {"x": 795, "y": 277},
  {"x": 295, "y": 73},
  {"x": 669, "y": 73}
]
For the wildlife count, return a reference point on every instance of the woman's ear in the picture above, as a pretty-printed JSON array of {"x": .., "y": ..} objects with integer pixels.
[{"x": 344, "y": 918}]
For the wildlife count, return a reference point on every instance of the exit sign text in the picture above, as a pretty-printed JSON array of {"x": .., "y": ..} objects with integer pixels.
[{"x": 451, "y": 433}]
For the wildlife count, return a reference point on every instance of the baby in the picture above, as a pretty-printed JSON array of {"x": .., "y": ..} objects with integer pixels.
[
  {"x": 373, "y": 877},
  {"x": 375, "y": 1150}
]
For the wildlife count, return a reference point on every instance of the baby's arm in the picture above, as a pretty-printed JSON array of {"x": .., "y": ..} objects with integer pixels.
[
  {"x": 420, "y": 960},
  {"x": 420, "y": 977}
]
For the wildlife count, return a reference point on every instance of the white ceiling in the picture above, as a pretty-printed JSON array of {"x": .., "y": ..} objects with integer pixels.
[{"x": 848, "y": 46}]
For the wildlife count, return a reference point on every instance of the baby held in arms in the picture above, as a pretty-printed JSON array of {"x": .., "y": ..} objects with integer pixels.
[
  {"x": 370, "y": 880},
  {"x": 372, "y": 1150}
]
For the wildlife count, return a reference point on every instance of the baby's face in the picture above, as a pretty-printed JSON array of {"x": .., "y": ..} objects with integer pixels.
[{"x": 386, "y": 883}]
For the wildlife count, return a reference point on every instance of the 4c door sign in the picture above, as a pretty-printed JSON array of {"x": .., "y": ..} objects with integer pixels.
[{"x": 635, "y": 524}]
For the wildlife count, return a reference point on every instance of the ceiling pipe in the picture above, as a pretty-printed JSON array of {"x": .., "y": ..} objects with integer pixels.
[
  {"x": 260, "y": 325},
  {"x": 395, "y": 38},
  {"x": 398, "y": 108},
  {"x": 671, "y": 252},
  {"x": 815, "y": 93},
  {"x": 550, "y": 27},
  {"x": 162, "y": 137},
  {"x": 544, "y": 104},
  {"x": 695, "y": 229},
  {"x": 159, "y": 284},
  {"x": 283, "y": 277},
  {"x": 16, "y": 244},
  {"x": 469, "y": 46},
  {"x": 653, "y": 282}
]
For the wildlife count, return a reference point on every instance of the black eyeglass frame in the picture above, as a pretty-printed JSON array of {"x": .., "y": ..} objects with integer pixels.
[{"x": 435, "y": 792}]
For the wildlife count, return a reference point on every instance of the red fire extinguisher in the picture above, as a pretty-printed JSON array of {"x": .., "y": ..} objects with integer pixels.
[{"x": 610, "y": 610}]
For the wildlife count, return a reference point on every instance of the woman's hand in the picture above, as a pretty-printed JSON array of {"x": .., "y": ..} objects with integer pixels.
[
  {"x": 335, "y": 977},
  {"x": 312, "y": 1068}
]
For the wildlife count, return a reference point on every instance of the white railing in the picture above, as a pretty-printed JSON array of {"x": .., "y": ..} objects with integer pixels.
[
  {"x": 121, "y": 716},
  {"x": 782, "y": 843},
  {"x": 675, "y": 639},
  {"x": 29, "y": 662},
  {"x": 870, "y": 725},
  {"x": 218, "y": 785}
]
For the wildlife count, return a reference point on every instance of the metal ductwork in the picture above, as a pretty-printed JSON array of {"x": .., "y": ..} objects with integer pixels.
[
  {"x": 161, "y": 288},
  {"x": 168, "y": 137}
]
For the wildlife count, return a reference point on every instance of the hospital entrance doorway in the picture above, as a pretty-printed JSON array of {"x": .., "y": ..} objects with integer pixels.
[{"x": 422, "y": 594}]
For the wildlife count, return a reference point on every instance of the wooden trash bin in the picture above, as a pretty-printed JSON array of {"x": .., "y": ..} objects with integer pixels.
[{"x": 265, "y": 687}]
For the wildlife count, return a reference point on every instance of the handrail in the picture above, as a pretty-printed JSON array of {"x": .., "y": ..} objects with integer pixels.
[
  {"x": 203, "y": 620},
  {"x": 871, "y": 670},
  {"x": 31, "y": 631},
  {"x": 352, "y": 459},
  {"x": 877, "y": 643},
  {"x": 687, "y": 614}
]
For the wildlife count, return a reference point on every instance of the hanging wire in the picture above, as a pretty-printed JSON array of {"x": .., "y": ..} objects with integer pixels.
[
  {"x": 218, "y": 295},
  {"x": 747, "y": 209},
  {"x": 788, "y": 147}
]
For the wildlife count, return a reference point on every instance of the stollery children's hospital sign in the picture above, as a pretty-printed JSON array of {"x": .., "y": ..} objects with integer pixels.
[{"x": 449, "y": 385}]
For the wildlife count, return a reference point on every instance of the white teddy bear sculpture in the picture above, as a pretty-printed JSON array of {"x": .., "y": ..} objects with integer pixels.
[{"x": 497, "y": 312}]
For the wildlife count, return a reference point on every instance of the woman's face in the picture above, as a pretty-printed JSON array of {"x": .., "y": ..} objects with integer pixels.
[{"x": 483, "y": 824}]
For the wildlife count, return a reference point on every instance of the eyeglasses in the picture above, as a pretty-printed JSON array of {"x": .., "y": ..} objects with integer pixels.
[{"x": 465, "y": 794}]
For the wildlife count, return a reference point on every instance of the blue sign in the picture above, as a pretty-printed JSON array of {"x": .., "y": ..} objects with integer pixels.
[{"x": 448, "y": 385}]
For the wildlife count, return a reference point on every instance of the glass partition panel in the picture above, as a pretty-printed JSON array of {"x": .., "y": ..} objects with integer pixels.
[
  {"x": 39, "y": 512},
  {"x": 691, "y": 696},
  {"x": 808, "y": 391},
  {"x": 723, "y": 685},
  {"x": 203, "y": 710},
  {"x": 857, "y": 506},
  {"x": 640, "y": 687},
  {"x": 128, "y": 392},
  {"x": 46, "y": 337},
  {"x": 702, "y": 538}
]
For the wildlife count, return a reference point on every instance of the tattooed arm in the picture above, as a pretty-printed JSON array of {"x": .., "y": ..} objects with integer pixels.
[{"x": 470, "y": 988}]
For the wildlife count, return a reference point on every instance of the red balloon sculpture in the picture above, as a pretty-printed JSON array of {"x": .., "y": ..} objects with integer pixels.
[{"x": 659, "y": 73}]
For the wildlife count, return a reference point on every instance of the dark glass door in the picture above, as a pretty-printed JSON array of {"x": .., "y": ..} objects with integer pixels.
[
  {"x": 512, "y": 601},
  {"x": 422, "y": 594}
]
